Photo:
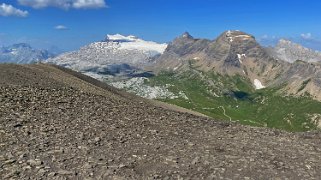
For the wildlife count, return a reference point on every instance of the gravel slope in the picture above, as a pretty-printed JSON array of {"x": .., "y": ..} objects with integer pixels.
[{"x": 56, "y": 124}]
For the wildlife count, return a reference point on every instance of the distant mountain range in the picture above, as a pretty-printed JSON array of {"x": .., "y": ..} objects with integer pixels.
[
  {"x": 23, "y": 54},
  {"x": 232, "y": 53}
]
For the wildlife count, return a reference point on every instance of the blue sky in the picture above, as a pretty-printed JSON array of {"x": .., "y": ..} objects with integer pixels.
[{"x": 69, "y": 24}]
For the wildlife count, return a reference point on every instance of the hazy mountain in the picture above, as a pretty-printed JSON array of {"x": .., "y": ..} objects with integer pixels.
[
  {"x": 290, "y": 52},
  {"x": 22, "y": 54}
]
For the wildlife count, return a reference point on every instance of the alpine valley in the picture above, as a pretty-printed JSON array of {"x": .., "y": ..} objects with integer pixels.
[{"x": 231, "y": 78}]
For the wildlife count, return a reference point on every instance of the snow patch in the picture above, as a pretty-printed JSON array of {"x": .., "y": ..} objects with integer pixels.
[
  {"x": 240, "y": 57},
  {"x": 228, "y": 33},
  {"x": 133, "y": 43},
  {"x": 243, "y": 36},
  {"x": 258, "y": 84}
]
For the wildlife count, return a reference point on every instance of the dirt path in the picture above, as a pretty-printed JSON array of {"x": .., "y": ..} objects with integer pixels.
[{"x": 224, "y": 113}]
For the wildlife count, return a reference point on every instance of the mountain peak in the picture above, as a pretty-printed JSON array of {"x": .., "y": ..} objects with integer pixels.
[
  {"x": 187, "y": 35},
  {"x": 235, "y": 35},
  {"x": 120, "y": 38}
]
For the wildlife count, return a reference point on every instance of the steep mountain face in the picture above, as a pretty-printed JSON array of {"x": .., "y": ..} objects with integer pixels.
[
  {"x": 178, "y": 52},
  {"x": 302, "y": 78},
  {"x": 22, "y": 54},
  {"x": 232, "y": 53},
  {"x": 59, "y": 124},
  {"x": 289, "y": 51},
  {"x": 115, "y": 53}
]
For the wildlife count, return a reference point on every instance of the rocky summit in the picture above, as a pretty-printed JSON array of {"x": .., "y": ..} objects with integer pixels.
[{"x": 59, "y": 124}]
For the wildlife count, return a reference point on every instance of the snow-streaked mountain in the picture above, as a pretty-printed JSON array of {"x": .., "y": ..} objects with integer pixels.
[
  {"x": 114, "y": 50},
  {"x": 232, "y": 53},
  {"x": 22, "y": 54},
  {"x": 289, "y": 51}
]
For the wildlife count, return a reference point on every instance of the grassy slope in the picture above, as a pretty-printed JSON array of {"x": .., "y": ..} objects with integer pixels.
[{"x": 258, "y": 108}]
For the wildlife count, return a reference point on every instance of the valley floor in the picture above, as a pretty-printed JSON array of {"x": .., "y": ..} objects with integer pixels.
[{"x": 230, "y": 99}]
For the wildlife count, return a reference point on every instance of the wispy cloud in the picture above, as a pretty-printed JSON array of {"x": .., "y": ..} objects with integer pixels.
[
  {"x": 61, "y": 27},
  {"x": 306, "y": 36},
  {"x": 64, "y": 4},
  {"x": 9, "y": 10},
  {"x": 310, "y": 41},
  {"x": 268, "y": 40}
]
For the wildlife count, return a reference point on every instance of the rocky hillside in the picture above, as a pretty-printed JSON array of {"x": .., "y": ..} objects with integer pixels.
[
  {"x": 22, "y": 54},
  {"x": 116, "y": 55},
  {"x": 289, "y": 51},
  {"x": 58, "y": 124}
]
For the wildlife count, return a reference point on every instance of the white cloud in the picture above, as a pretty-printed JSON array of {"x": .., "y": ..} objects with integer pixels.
[
  {"x": 61, "y": 27},
  {"x": 306, "y": 36},
  {"x": 9, "y": 10},
  {"x": 64, "y": 4},
  {"x": 89, "y": 4}
]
